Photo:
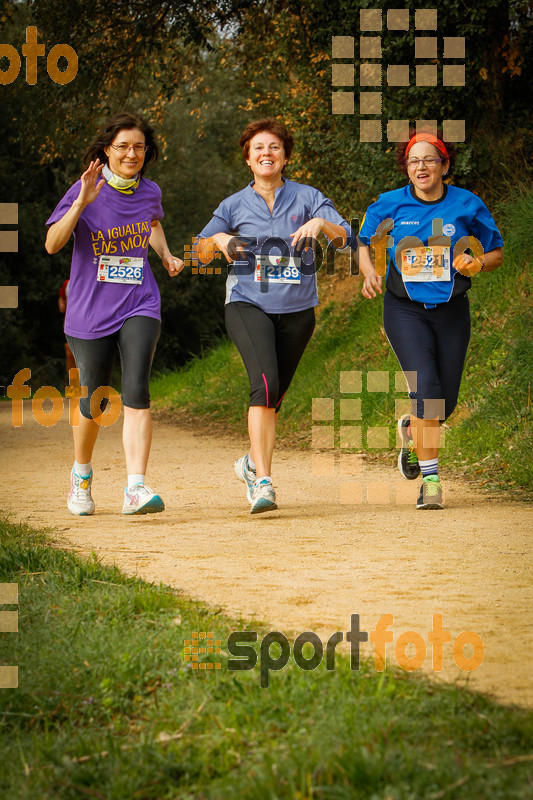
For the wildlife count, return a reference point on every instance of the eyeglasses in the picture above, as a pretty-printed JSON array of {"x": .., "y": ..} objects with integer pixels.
[
  {"x": 430, "y": 161},
  {"x": 125, "y": 148}
]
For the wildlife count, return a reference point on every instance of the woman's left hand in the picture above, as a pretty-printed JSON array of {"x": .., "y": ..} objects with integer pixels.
[
  {"x": 172, "y": 265},
  {"x": 307, "y": 234},
  {"x": 467, "y": 265}
]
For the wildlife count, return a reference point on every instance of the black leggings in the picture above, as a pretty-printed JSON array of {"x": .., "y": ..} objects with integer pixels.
[
  {"x": 431, "y": 344},
  {"x": 136, "y": 340},
  {"x": 271, "y": 346}
]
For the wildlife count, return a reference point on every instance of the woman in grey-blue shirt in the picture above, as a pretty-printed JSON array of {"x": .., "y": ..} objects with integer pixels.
[{"x": 267, "y": 231}]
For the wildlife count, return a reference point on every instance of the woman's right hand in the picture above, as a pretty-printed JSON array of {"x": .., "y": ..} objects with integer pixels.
[
  {"x": 372, "y": 281},
  {"x": 232, "y": 247},
  {"x": 59, "y": 232},
  {"x": 90, "y": 186},
  {"x": 371, "y": 284}
]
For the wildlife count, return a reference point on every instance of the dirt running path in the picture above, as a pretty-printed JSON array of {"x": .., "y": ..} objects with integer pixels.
[{"x": 307, "y": 566}]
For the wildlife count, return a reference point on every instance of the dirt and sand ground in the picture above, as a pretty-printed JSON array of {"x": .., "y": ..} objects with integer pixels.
[{"x": 323, "y": 556}]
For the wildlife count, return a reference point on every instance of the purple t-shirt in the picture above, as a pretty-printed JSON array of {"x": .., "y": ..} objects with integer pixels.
[{"x": 115, "y": 224}]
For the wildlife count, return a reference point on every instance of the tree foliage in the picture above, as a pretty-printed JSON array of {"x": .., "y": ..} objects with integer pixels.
[
  {"x": 285, "y": 49},
  {"x": 201, "y": 69}
]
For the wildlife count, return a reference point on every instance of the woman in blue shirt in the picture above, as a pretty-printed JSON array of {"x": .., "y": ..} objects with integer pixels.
[
  {"x": 267, "y": 232},
  {"x": 420, "y": 234}
]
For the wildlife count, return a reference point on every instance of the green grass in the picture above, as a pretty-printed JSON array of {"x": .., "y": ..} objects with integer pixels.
[
  {"x": 491, "y": 432},
  {"x": 107, "y": 708}
]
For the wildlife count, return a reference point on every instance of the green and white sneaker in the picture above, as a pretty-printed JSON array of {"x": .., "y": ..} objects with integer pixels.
[
  {"x": 141, "y": 500},
  {"x": 246, "y": 475},
  {"x": 430, "y": 493},
  {"x": 263, "y": 496},
  {"x": 407, "y": 458}
]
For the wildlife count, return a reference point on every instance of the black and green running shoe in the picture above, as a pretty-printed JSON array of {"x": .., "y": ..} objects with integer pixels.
[
  {"x": 407, "y": 458},
  {"x": 430, "y": 493}
]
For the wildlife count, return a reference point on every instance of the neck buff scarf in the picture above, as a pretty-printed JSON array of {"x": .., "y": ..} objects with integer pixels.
[
  {"x": 427, "y": 137},
  {"x": 122, "y": 185}
]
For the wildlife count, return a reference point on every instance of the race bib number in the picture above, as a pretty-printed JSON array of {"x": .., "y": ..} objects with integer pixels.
[
  {"x": 120, "y": 269},
  {"x": 277, "y": 269},
  {"x": 421, "y": 264}
]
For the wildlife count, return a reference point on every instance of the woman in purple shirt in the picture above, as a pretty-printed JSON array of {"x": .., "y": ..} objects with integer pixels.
[
  {"x": 114, "y": 213},
  {"x": 267, "y": 232}
]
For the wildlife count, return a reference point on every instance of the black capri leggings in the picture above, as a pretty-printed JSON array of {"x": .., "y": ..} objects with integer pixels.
[
  {"x": 136, "y": 340},
  {"x": 271, "y": 346},
  {"x": 432, "y": 343}
]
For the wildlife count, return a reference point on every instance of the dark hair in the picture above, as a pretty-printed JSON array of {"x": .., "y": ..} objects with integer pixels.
[
  {"x": 402, "y": 147},
  {"x": 272, "y": 126},
  {"x": 119, "y": 122}
]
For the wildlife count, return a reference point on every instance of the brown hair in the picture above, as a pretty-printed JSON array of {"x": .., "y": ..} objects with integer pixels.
[
  {"x": 272, "y": 126},
  {"x": 402, "y": 147},
  {"x": 122, "y": 121}
]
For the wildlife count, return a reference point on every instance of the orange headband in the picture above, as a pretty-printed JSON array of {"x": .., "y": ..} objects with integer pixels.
[{"x": 427, "y": 137}]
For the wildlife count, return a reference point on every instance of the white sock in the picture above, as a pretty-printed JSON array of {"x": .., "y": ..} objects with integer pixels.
[
  {"x": 251, "y": 464},
  {"x": 429, "y": 467},
  {"x": 134, "y": 479},
  {"x": 83, "y": 470}
]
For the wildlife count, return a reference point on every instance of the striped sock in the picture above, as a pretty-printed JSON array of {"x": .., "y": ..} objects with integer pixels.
[{"x": 430, "y": 467}]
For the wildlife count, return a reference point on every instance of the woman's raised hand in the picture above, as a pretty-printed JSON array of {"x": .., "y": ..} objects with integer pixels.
[
  {"x": 90, "y": 185},
  {"x": 59, "y": 232}
]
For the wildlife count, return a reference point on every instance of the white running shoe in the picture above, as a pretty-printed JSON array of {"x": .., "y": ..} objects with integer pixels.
[
  {"x": 263, "y": 496},
  {"x": 246, "y": 475},
  {"x": 79, "y": 500},
  {"x": 141, "y": 500}
]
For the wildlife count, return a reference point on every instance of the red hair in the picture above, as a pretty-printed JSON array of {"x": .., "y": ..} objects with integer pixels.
[{"x": 272, "y": 126}]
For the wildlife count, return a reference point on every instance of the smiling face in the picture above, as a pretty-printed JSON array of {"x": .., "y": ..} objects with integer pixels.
[
  {"x": 425, "y": 177},
  {"x": 128, "y": 160},
  {"x": 266, "y": 158}
]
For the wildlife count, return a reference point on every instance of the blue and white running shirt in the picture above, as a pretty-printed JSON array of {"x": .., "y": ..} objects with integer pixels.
[
  {"x": 246, "y": 215},
  {"x": 461, "y": 213}
]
